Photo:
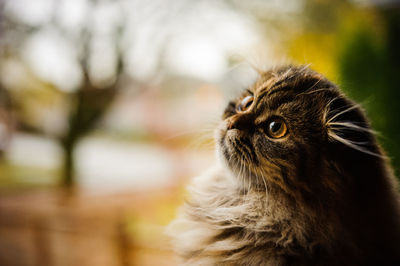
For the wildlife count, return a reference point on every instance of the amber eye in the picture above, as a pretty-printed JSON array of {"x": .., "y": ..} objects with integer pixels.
[
  {"x": 277, "y": 128},
  {"x": 245, "y": 103}
]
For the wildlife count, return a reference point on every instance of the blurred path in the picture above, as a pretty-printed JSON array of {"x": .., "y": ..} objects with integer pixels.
[{"x": 74, "y": 228}]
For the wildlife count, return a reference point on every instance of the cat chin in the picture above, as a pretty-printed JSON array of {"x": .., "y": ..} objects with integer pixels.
[
  {"x": 221, "y": 151},
  {"x": 224, "y": 151},
  {"x": 222, "y": 155}
]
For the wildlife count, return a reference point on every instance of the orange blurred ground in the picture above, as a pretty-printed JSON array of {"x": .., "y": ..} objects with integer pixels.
[{"x": 53, "y": 227}]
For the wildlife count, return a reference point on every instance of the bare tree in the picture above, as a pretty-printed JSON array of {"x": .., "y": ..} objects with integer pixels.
[
  {"x": 90, "y": 103},
  {"x": 87, "y": 103}
]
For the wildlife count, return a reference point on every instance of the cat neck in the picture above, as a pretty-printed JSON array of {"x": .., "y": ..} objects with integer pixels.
[{"x": 222, "y": 190}]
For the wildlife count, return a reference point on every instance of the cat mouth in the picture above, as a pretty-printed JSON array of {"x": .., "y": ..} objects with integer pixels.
[
  {"x": 229, "y": 141},
  {"x": 236, "y": 148}
]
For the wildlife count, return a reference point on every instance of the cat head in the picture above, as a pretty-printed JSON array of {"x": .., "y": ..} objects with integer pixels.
[{"x": 294, "y": 129}]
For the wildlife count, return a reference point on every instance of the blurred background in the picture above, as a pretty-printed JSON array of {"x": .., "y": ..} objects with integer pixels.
[{"x": 107, "y": 108}]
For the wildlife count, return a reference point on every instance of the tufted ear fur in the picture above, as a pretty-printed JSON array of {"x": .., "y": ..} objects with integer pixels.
[
  {"x": 346, "y": 124},
  {"x": 352, "y": 150}
]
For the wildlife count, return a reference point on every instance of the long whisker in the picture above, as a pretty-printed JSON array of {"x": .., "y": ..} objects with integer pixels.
[
  {"x": 308, "y": 90},
  {"x": 314, "y": 91},
  {"x": 342, "y": 112},
  {"x": 248, "y": 172},
  {"x": 246, "y": 176},
  {"x": 331, "y": 101},
  {"x": 351, "y": 144},
  {"x": 266, "y": 186},
  {"x": 265, "y": 183},
  {"x": 350, "y": 125}
]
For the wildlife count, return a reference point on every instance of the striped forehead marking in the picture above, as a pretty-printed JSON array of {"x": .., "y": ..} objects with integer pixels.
[{"x": 265, "y": 86}]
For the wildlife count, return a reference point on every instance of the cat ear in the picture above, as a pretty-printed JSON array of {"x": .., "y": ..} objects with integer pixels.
[{"x": 346, "y": 124}]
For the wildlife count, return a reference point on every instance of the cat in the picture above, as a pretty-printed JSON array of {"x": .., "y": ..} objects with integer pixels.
[{"x": 301, "y": 181}]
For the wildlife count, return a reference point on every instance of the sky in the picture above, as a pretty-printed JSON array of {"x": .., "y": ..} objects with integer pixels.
[{"x": 188, "y": 38}]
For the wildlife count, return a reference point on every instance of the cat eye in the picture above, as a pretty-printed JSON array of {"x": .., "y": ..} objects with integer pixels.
[
  {"x": 245, "y": 103},
  {"x": 277, "y": 128}
]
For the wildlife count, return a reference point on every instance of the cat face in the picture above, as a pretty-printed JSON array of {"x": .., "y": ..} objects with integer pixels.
[{"x": 285, "y": 128}]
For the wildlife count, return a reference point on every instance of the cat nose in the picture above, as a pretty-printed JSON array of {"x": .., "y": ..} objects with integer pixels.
[
  {"x": 239, "y": 122},
  {"x": 230, "y": 124}
]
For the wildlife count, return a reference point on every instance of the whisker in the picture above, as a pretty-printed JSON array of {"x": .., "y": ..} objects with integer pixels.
[
  {"x": 202, "y": 141},
  {"x": 246, "y": 181},
  {"x": 331, "y": 101},
  {"x": 247, "y": 160},
  {"x": 342, "y": 112},
  {"x": 315, "y": 84},
  {"x": 351, "y": 144},
  {"x": 187, "y": 132},
  {"x": 350, "y": 125},
  {"x": 314, "y": 91},
  {"x": 265, "y": 183}
]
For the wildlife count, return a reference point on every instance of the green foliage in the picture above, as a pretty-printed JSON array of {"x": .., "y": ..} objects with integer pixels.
[{"x": 368, "y": 65}]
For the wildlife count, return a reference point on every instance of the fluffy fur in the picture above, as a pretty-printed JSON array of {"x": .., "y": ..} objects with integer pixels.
[{"x": 323, "y": 194}]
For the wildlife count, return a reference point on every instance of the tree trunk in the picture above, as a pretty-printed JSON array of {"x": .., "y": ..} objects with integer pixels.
[{"x": 68, "y": 170}]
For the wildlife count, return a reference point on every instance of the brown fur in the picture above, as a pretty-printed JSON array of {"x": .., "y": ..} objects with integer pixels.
[{"x": 322, "y": 195}]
